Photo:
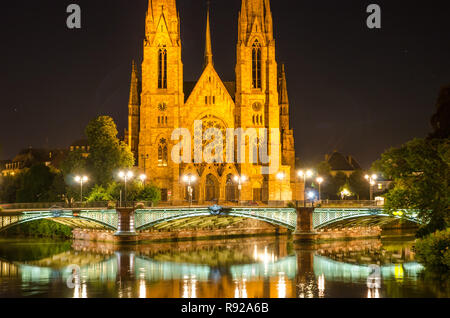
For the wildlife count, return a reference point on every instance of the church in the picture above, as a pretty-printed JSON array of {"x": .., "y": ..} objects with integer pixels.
[{"x": 161, "y": 102}]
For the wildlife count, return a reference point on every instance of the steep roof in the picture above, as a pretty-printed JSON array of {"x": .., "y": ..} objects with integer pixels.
[
  {"x": 339, "y": 162},
  {"x": 231, "y": 88}
]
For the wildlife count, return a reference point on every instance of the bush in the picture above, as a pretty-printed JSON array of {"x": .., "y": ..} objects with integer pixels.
[
  {"x": 99, "y": 194},
  {"x": 433, "y": 251},
  {"x": 150, "y": 193}
]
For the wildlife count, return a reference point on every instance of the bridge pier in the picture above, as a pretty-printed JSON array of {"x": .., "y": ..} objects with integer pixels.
[
  {"x": 304, "y": 231},
  {"x": 126, "y": 231}
]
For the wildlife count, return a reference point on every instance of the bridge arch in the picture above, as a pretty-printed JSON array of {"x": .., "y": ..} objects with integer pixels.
[
  {"x": 287, "y": 218},
  {"x": 83, "y": 219},
  {"x": 331, "y": 218}
]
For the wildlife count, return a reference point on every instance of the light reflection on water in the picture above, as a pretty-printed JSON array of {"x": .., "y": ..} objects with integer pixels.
[{"x": 250, "y": 268}]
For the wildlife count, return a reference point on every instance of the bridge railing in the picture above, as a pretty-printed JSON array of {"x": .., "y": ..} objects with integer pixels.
[
  {"x": 53, "y": 205},
  {"x": 348, "y": 203}
]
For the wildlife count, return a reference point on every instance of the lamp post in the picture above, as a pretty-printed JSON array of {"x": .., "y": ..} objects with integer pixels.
[
  {"x": 311, "y": 196},
  {"x": 371, "y": 179},
  {"x": 345, "y": 193},
  {"x": 280, "y": 177},
  {"x": 143, "y": 177},
  {"x": 304, "y": 175},
  {"x": 240, "y": 180},
  {"x": 319, "y": 180},
  {"x": 125, "y": 176},
  {"x": 81, "y": 180},
  {"x": 189, "y": 179}
]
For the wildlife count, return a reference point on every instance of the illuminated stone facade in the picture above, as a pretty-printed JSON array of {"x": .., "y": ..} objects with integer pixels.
[{"x": 162, "y": 102}]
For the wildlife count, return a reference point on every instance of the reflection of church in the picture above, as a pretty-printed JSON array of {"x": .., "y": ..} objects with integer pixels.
[{"x": 163, "y": 102}]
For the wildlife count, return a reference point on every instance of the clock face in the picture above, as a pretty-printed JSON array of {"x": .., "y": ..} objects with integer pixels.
[
  {"x": 162, "y": 107},
  {"x": 257, "y": 106}
]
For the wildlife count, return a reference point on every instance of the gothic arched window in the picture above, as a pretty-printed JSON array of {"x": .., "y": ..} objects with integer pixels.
[
  {"x": 162, "y": 68},
  {"x": 256, "y": 65},
  {"x": 162, "y": 153}
]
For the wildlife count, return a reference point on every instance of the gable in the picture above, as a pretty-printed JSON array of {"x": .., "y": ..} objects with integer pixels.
[
  {"x": 162, "y": 32},
  {"x": 209, "y": 85}
]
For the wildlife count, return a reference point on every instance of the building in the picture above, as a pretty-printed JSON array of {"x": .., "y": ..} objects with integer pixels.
[
  {"x": 25, "y": 159},
  {"x": 381, "y": 185},
  {"x": 81, "y": 145},
  {"x": 340, "y": 163},
  {"x": 258, "y": 98},
  {"x": 29, "y": 157}
]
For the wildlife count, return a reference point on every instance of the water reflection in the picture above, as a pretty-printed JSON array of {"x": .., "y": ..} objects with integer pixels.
[{"x": 251, "y": 268}]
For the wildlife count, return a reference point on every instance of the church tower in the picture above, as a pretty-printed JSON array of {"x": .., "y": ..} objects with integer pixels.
[
  {"x": 257, "y": 101},
  {"x": 162, "y": 92}
]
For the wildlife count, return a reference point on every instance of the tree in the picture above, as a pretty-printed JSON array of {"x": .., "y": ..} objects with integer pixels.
[
  {"x": 35, "y": 184},
  {"x": 323, "y": 169},
  {"x": 99, "y": 194},
  {"x": 9, "y": 185},
  {"x": 358, "y": 185},
  {"x": 420, "y": 173},
  {"x": 149, "y": 193},
  {"x": 441, "y": 119},
  {"x": 74, "y": 163},
  {"x": 332, "y": 185},
  {"x": 107, "y": 153},
  {"x": 327, "y": 187}
]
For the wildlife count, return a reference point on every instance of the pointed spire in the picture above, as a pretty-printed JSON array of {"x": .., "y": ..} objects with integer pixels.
[
  {"x": 282, "y": 90},
  {"x": 134, "y": 87},
  {"x": 208, "y": 46}
]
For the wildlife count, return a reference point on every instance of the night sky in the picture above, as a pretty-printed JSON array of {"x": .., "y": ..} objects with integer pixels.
[{"x": 352, "y": 89}]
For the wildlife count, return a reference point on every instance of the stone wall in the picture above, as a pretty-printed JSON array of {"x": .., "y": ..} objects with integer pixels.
[
  {"x": 245, "y": 228},
  {"x": 349, "y": 233}
]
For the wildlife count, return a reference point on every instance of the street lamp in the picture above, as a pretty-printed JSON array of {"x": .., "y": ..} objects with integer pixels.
[
  {"x": 189, "y": 179},
  {"x": 240, "y": 180},
  {"x": 280, "y": 177},
  {"x": 125, "y": 176},
  {"x": 143, "y": 177},
  {"x": 304, "y": 175},
  {"x": 319, "y": 180},
  {"x": 81, "y": 180},
  {"x": 345, "y": 193},
  {"x": 371, "y": 179}
]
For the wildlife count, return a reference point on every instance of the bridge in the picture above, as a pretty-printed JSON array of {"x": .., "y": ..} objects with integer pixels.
[{"x": 128, "y": 221}]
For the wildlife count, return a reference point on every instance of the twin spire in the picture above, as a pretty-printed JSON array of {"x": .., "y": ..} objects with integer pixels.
[{"x": 208, "y": 46}]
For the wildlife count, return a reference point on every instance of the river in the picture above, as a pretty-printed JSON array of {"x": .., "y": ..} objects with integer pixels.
[{"x": 264, "y": 267}]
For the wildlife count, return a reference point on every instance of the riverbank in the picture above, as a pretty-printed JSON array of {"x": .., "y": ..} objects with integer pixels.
[{"x": 241, "y": 232}]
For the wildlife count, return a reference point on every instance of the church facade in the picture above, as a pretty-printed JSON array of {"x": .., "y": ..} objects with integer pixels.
[{"x": 162, "y": 101}]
